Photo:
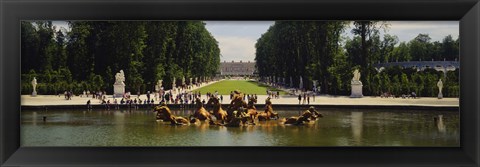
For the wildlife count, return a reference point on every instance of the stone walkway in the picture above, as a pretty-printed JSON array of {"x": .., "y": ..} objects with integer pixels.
[
  {"x": 51, "y": 100},
  {"x": 46, "y": 100}
]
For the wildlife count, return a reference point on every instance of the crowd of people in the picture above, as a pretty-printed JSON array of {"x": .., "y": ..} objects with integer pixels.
[
  {"x": 183, "y": 96},
  {"x": 68, "y": 95},
  {"x": 403, "y": 96},
  {"x": 100, "y": 95},
  {"x": 186, "y": 98},
  {"x": 273, "y": 94},
  {"x": 306, "y": 98}
]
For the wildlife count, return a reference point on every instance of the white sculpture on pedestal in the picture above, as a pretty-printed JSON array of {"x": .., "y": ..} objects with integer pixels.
[
  {"x": 190, "y": 83},
  {"x": 119, "y": 85},
  {"x": 34, "y": 85},
  {"x": 356, "y": 85},
  {"x": 158, "y": 87},
  {"x": 173, "y": 83},
  {"x": 440, "y": 86},
  {"x": 301, "y": 83}
]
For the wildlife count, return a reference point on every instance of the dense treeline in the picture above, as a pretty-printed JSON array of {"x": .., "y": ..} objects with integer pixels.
[
  {"x": 88, "y": 56},
  {"x": 299, "y": 48},
  {"x": 316, "y": 50}
]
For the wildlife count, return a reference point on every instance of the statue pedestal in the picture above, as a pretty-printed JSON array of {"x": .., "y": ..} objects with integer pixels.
[
  {"x": 357, "y": 90},
  {"x": 34, "y": 93},
  {"x": 118, "y": 90},
  {"x": 440, "y": 95}
]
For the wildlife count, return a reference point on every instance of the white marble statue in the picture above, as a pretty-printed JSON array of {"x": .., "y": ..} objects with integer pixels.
[
  {"x": 190, "y": 83},
  {"x": 119, "y": 85},
  {"x": 34, "y": 86},
  {"x": 301, "y": 83},
  {"x": 158, "y": 87},
  {"x": 356, "y": 75},
  {"x": 120, "y": 78},
  {"x": 440, "y": 86},
  {"x": 183, "y": 81},
  {"x": 174, "y": 83},
  {"x": 357, "y": 86}
]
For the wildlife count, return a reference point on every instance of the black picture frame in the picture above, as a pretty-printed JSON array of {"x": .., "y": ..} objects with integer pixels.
[{"x": 13, "y": 11}]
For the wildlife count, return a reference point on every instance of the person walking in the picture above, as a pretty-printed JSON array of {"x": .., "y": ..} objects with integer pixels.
[
  {"x": 148, "y": 95},
  {"x": 299, "y": 98},
  {"x": 304, "y": 98},
  {"x": 89, "y": 106},
  {"x": 308, "y": 99}
]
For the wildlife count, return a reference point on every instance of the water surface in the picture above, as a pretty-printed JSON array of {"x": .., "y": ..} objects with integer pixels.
[{"x": 338, "y": 127}]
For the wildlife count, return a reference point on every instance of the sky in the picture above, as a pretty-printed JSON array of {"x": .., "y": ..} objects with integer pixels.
[{"x": 236, "y": 39}]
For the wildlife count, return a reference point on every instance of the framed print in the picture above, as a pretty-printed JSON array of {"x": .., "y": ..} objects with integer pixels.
[{"x": 239, "y": 83}]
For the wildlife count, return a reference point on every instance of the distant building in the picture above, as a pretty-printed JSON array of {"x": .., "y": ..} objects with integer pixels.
[{"x": 237, "y": 68}]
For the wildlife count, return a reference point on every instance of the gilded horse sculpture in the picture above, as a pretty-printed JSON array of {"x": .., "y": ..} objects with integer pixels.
[
  {"x": 251, "y": 110},
  {"x": 309, "y": 115},
  {"x": 268, "y": 113},
  {"x": 218, "y": 112},
  {"x": 164, "y": 113},
  {"x": 236, "y": 104},
  {"x": 200, "y": 112}
]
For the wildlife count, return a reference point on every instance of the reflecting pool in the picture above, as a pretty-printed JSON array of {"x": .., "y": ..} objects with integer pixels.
[{"x": 338, "y": 127}]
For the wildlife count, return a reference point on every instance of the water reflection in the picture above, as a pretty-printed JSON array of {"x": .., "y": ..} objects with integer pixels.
[
  {"x": 357, "y": 126},
  {"x": 34, "y": 118},
  {"x": 440, "y": 125},
  {"x": 119, "y": 122},
  {"x": 337, "y": 128}
]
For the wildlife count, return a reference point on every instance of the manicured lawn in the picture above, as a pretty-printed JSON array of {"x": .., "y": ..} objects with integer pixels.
[{"x": 248, "y": 87}]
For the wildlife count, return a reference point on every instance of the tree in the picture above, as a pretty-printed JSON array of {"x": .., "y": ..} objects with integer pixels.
[
  {"x": 93, "y": 51},
  {"x": 449, "y": 48},
  {"x": 387, "y": 47},
  {"x": 46, "y": 45},
  {"x": 80, "y": 57},
  {"x": 420, "y": 47},
  {"x": 400, "y": 53},
  {"x": 59, "y": 59},
  {"x": 160, "y": 37},
  {"x": 308, "y": 46},
  {"x": 368, "y": 32},
  {"x": 97, "y": 82},
  {"x": 29, "y": 47}
]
